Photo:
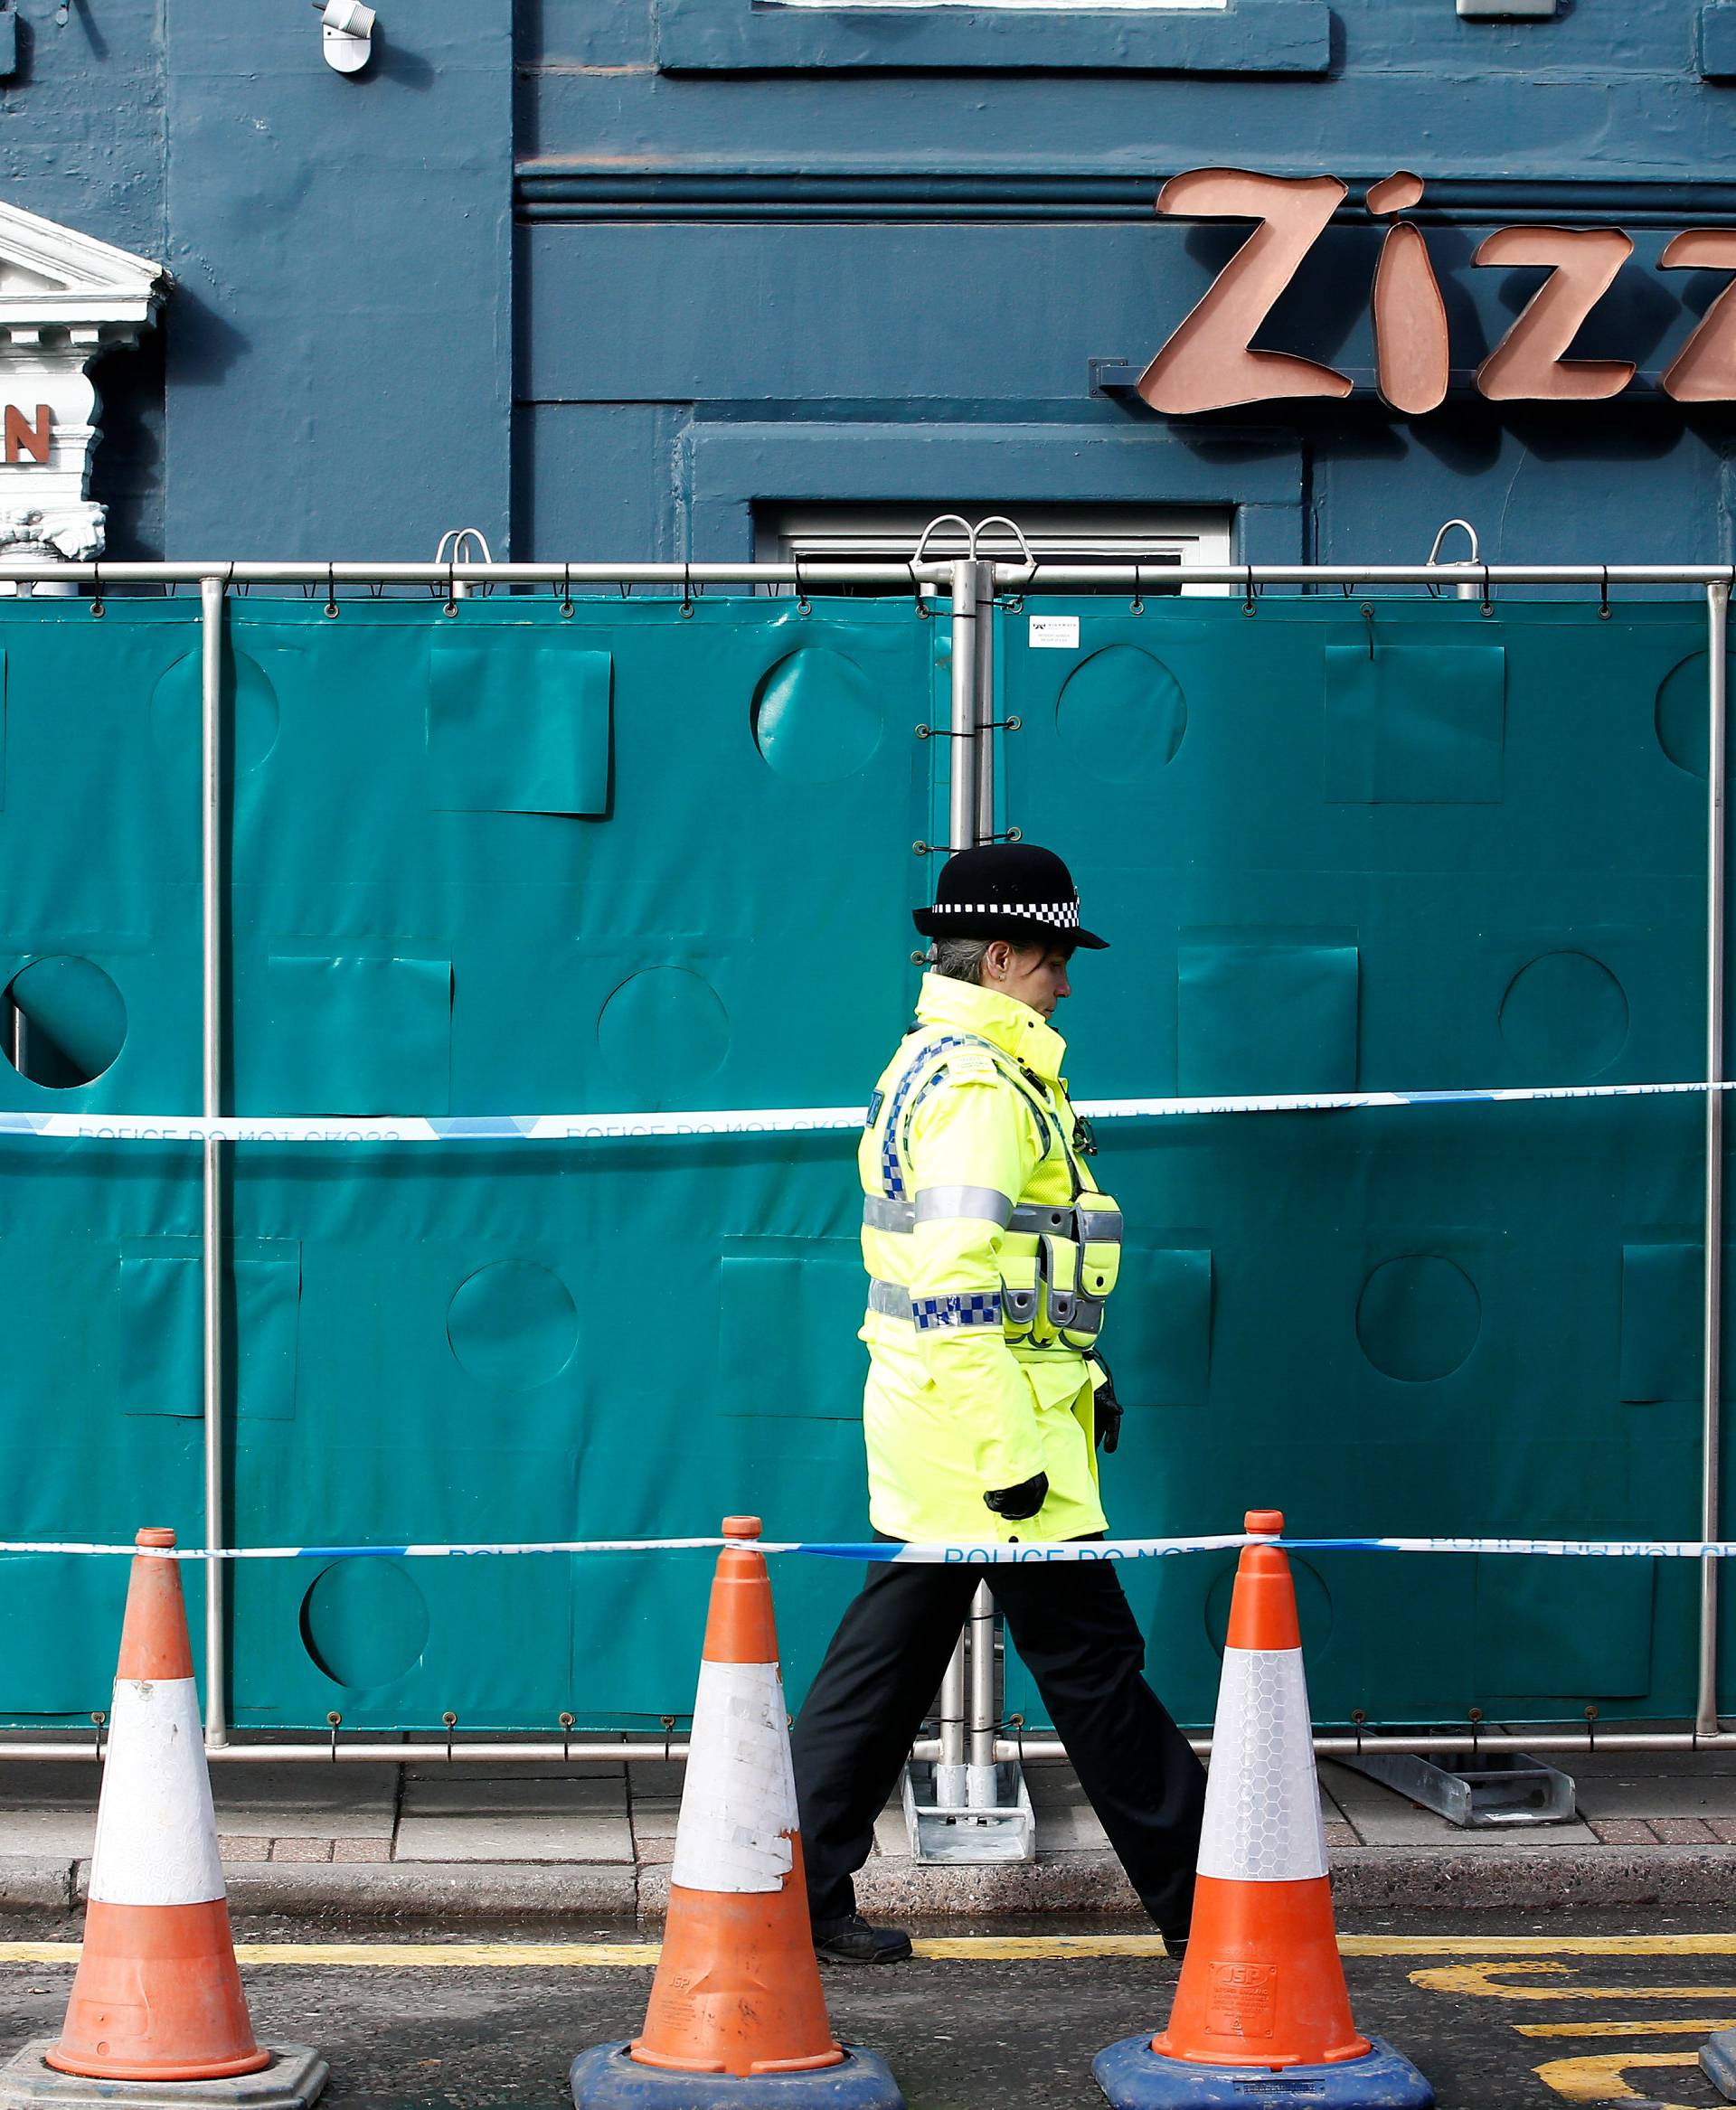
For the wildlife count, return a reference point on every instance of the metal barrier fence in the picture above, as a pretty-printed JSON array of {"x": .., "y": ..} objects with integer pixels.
[
  {"x": 971, "y": 1725},
  {"x": 974, "y": 590}
]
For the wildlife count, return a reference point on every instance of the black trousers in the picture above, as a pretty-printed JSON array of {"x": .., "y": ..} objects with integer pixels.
[{"x": 1072, "y": 1624}]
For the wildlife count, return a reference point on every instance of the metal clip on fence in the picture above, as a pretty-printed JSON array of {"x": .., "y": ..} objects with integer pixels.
[
  {"x": 1028, "y": 563},
  {"x": 939, "y": 520},
  {"x": 451, "y": 550}
]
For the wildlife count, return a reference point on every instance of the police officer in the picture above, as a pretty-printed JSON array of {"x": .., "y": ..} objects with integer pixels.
[{"x": 990, "y": 1254}]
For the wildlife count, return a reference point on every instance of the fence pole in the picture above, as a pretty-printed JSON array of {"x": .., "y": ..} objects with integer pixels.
[
  {"x": 985, "y": 1716},
  {"x": 961, "y": 832},
  {"x": 985, "y": 746},
  {"x": 949, "y": 1766},
  {"x": 210, "y": 620},
  {"x": 1717, "y": 645},
  {"x": 961, "y": 804}
]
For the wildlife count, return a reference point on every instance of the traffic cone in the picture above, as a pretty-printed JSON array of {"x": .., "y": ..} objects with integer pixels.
[
  {"x": 157, "y": 1998},
  {"x": 1262, "y": 1988},
  {"x": 736, "y": 2013}
]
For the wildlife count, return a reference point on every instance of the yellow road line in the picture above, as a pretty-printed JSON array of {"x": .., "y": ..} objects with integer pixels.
[
  {"x": 1052, "y": 1948},
  {"x": 1481, "y": 1980},
  {"x": 946, "y": 1948},
  {"x": 1599, "y": 2080},
  {"x": 1667, "y": 1945},
  {"x": 453, "y": 1955},
  {"x": 1674, "y": 2028}
]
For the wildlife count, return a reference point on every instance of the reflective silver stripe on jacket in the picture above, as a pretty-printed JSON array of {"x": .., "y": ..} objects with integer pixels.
[
  {"x": 968, "y": 1307},
  {"x": 985, "y": 1204},
  {"x": 935, "y": 1203},
  {"x": 889, "y": 1299}
]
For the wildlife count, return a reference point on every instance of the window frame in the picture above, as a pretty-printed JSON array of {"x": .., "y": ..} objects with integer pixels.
[
  {"x": 736, "y": 473},
  {"x": 1112, "y": 532}
]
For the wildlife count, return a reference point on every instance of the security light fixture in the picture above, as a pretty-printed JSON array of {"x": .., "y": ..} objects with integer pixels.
[{"x": 347, "y": 33}]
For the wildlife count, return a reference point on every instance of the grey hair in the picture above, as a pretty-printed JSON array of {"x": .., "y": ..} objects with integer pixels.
[
  {"x": 958, "y": 958},
  {"x": 961, "y": 959}
]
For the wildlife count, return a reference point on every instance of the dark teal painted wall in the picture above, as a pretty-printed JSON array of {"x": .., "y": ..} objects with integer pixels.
[
  {"x": 933, "y": 223},
  {"x": 333, "y": 372},
  {"x": 930, "y": 220}
]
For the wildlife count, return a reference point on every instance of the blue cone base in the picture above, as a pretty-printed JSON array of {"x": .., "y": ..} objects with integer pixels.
[
  {"x": 1134, "y": 2077},
  {"x": 1718, "y": 2062},
  {"x": 606, "y": 2079}
]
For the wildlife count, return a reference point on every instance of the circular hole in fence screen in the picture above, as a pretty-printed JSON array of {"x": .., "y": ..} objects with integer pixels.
[
  {"x": 815, "y": 718},
  {"x": 365, "y": 1622},
  {"x": 1565, "y": 1017},
  {"x": 1419, "y": 1317},
  {"x": 512, "y": 1325},
  {"x": 62, "y": 1023},
  {"x": 1121, "y": 713},
  {"x": 1681, "y": 714},
  {"x": 662, "y": 1033},
  {"x": 177, "y": 710}
]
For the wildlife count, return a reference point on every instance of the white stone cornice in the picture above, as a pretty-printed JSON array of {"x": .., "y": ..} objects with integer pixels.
[
  {"x": 55, "y": 277},
  {"x": 64, "y": 298}
]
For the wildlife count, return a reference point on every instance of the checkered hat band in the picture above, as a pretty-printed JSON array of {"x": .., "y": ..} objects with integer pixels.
[{"x": 1062, "y": 914}]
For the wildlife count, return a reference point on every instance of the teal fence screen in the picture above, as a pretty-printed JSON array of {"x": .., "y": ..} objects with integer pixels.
[{"x": 514, "y": 862}]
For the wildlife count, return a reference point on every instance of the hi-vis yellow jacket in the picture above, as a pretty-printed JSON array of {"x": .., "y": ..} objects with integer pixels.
[{"x": 989, "y": 1252}]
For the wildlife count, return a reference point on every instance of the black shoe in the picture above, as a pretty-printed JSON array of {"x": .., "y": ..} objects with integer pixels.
[
  {"x": 1176, "y": 1946},
  {"x": 851, "y": 1940}
]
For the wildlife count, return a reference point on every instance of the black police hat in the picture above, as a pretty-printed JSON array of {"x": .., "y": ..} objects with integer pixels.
[{"x": 1007, "y": 889}]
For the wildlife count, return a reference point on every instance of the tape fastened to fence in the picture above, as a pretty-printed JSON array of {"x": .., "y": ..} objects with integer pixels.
[
  {"x": 740, "y": 1120},
  {"x": 964, "y": 1553}
]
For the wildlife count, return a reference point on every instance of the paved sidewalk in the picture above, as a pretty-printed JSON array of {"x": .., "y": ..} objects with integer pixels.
[{"x": 475, "y": 1842}]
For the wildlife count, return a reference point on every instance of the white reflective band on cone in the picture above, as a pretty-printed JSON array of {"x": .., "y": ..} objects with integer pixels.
[
  {"x": 1262, "y": 1803},
  {"x": 156, "y": 1838},
  {"x": 738, "y": 1808}
]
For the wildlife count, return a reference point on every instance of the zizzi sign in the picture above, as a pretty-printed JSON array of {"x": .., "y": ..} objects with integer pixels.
[{"x": 1209, "y": 364}]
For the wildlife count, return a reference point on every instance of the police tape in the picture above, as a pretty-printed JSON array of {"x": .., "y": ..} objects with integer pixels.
[
  {"x": 964, "y": 1553},
  {"x": 740, "y": 1121}
]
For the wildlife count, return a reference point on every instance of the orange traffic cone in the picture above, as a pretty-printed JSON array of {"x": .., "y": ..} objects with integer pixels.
[
  {"x": 736, "y": 2012},
  {"x": 157, "y": 1997},
  {"x": 1261, "y": 1987}
]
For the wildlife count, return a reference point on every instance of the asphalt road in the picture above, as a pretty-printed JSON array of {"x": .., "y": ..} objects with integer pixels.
[{"x": 1501, "y": 2013}]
